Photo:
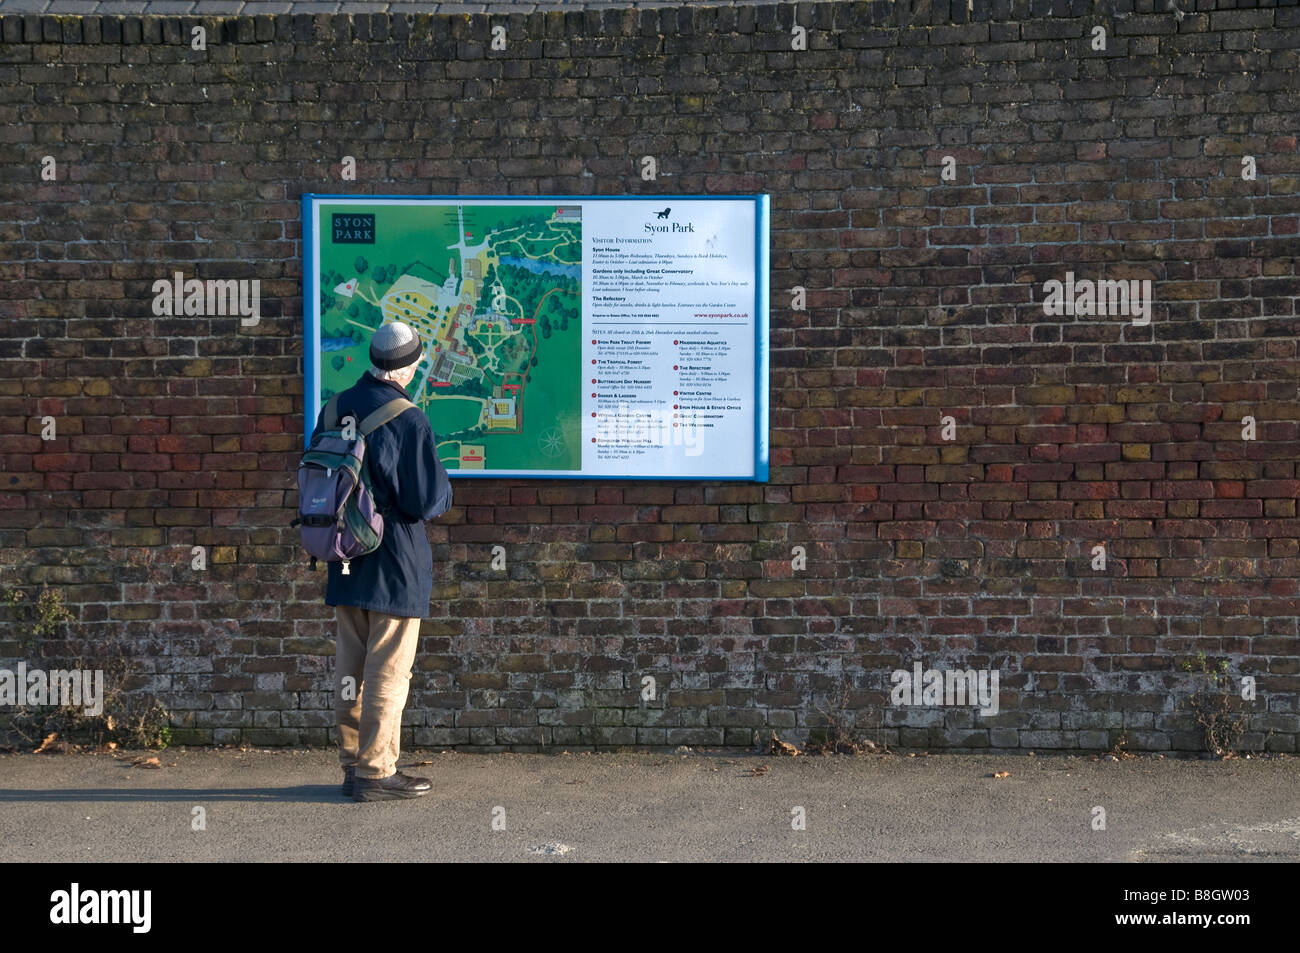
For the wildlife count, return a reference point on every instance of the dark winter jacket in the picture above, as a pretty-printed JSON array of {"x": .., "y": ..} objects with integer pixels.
[{"x": 409, "y": 485}]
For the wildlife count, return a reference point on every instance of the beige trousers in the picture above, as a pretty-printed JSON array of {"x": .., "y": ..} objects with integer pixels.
[{"x": 376, "y": 651}]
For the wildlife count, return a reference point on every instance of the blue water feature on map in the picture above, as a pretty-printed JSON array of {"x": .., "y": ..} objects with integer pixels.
[
  {"x": 540, "y": 267},
  {"x": 336, "y": 344}
]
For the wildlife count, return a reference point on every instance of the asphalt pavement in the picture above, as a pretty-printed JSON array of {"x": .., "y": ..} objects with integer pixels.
[{"x": 284, "y": 805}]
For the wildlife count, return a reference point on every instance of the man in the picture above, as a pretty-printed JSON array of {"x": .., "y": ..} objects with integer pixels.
[{"x": 380, "y": 602}]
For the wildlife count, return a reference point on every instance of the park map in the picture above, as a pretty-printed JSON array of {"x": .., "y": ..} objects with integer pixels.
[{"x": 494, "y": 292}]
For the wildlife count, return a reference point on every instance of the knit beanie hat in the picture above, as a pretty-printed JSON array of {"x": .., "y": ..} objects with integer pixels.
[{"x": 394, "y": 346}]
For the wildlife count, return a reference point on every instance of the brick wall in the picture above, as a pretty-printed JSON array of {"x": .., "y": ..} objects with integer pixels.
[{"x": 925, "y": 301}]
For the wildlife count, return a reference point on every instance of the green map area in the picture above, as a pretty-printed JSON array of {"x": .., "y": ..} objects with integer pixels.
[{"x": 495, "y": 293}]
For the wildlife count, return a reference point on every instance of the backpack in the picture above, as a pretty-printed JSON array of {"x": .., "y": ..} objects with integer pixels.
[{"x": 335, "y": 507}]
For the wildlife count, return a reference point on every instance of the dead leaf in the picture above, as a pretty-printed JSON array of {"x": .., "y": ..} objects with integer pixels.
[
  {"x": 146, "y": 763},
  {"x": 49, "y": 740},
  {"x": 112, "y": 746},
  {"x": 778, "y": 747},
  {"x": 1001, "y": 774},
  {"x": 759, "y": 770},
  {"x": 841, "y": 745}
]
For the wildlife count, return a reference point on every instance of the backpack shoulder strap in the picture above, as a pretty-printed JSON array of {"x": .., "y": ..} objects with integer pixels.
[
  {"x": 383, "y": 415},
  {"x": 331, "y": 418}
]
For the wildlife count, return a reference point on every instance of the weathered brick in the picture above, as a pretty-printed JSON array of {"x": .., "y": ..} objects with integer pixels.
[{"x": 925, "y": 300}]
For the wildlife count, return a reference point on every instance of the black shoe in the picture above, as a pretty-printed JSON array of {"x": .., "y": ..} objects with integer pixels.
[
  {"x": 393, "y": 787},
  {"x": 349, "y": 776}
]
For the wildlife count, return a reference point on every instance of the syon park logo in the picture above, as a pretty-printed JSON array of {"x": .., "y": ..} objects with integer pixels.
[{"x": 352, "y": 229}]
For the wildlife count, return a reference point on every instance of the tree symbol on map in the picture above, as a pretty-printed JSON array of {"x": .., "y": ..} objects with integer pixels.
[{"x": 551, "y": 441}]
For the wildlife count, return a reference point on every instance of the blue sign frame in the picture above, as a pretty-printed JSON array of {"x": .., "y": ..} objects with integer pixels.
[{"x": 762, "y": 303}]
